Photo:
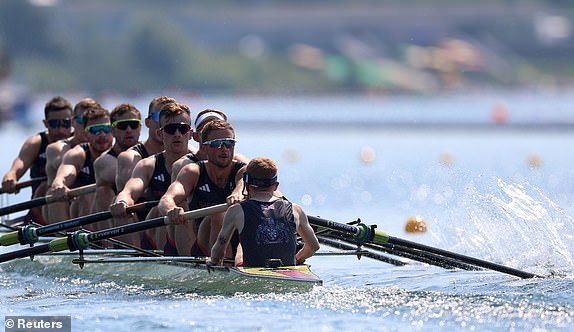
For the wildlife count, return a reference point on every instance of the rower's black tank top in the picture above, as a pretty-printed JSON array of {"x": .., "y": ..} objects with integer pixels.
[
  {"x": 269, "y": 231},
  {"x": 207, "y": 193},
  {"x": 160, "y": 179},
  {"x": 38, "y": 168},
  {"x": 141, "y": 150}
]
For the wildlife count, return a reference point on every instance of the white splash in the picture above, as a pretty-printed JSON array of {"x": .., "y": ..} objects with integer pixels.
[{"x": 516, "y": 225}]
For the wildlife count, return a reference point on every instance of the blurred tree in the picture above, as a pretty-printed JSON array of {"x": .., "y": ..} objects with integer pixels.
[{"x": 24, "y": 30}]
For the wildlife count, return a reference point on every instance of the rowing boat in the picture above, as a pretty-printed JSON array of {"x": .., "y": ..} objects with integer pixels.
[{"x": 189, "y": 274}]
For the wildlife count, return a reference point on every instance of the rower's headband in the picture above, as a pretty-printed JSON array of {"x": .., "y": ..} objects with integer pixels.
[
  {"x": 206, "y": 115},
  {"x": 256, "y": 182}
]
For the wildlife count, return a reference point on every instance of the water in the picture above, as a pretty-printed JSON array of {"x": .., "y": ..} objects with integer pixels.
[{"x": 498, "y": 195}]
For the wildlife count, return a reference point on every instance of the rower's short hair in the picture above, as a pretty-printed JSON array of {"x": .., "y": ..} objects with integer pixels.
[
  {"x": 171, "y": 110},
  {"x": 262, "y": 168},
  {"x": 214, "y": 125},
  {"x": 157, "y": 103},
  {"x": 94, "y": 113},
  {"x": 122, "y": 109},
  {"x": 85, "y": 104},
  {"x": 57, "y": 103}
]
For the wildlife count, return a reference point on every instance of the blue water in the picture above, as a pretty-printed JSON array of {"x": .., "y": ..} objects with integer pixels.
[{"x": 500, "y": 195}]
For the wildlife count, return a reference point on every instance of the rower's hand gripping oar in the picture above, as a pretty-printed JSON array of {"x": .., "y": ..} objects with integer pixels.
[
  {"x": 45, "y": 200},
  {"x": 30, "y": 234},
  {"x": 80, "y": 240},
  {"x": 25, "y": 184},
  {"x": 365, "y": 234}
]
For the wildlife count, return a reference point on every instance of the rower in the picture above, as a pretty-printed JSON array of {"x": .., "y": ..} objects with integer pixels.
[
  {"x": 153, "y": 144},
  {"x": 76, "y": 169},
  {"x": 126, "y": 128},
  {"x": 32, "y": 155},
  {"x": 152, "y": 176},
  {"x": 267, "y": 224},
  {"x": 203, "y": 118},
  {"x": 208, "y": 182},
  {"x": 56, "y": 150}
]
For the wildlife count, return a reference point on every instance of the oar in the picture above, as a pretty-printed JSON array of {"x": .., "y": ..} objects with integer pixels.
[
  {"x": 27, "y": 183},
  {"x": 366, "y": 253},
  {"x": 45, "y": 200},
  {"x": 30, "y": 234},
  {"x": 365, "y": 234},
  {"x": 80, "y": 240},
  {"x": 413, "y": 254}
]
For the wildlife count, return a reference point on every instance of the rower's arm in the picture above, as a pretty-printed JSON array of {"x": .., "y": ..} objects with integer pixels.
[
  {"x": 233, "y": 220},
  {"x": 138, "y": 182},
  {"x": 127, "y": 161},
  {"x": 53, "y": 160},
  {"x": 105, "y": 169},
  {"x": 22, "y": 163},
  {"x": 180, "y": 189},
  {"x": 237, "y": 193},
  {"x": 311, "y": 244},
  {"x": 72, "y": 162}
]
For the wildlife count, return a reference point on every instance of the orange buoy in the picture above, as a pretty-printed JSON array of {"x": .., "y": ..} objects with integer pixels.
[
  {"x": 499, "y": 113},
  {"x": 534, "y": 160},
  {"x": 416, "y": 224}
]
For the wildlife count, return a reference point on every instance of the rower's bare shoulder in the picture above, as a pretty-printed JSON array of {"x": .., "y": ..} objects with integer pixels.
[
  {"x": 104, "y": 161},
  {"x": 129, "y": 155}
]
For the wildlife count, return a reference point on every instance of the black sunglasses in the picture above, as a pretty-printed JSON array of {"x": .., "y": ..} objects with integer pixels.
[
  {"x": 182, "y": 127},
  {"x": 124, "y": 124},
  {"x": 57, "y": 123}
]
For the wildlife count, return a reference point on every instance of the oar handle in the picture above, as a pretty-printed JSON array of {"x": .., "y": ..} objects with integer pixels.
[
  {"x": 27, "y": 183},
  {"x": 73, "y": 193}
]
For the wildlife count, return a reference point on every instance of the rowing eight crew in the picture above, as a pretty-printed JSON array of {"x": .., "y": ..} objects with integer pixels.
[{"x": 253, "y": 231}]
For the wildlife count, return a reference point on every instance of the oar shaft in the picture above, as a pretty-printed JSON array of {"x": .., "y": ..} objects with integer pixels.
[
  {"x": 89, "y": 219},
  {"x": 45, "y": 200},
  {"x": 413, "y": 254},
  {"x": 81, "y": 240},
  {"x": 23, "y": 206},
  {"x": 363, "y": 235},
  {"x": 345, "y": 246},
  {"x": 463, "y": 258},
  {"x": 32, "y": 251}
]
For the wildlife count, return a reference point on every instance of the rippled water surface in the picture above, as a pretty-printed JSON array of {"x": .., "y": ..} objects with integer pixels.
[{"x": 501, "y": 196}]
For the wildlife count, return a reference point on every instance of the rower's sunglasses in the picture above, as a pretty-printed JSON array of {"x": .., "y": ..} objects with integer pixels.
[
  {"x": 125, "y": 123},
  {"x": 182, "y": 127},
  {"x": 96, "y": 129},
  {"x": 57, "y": 123},
  {"x": 78, "y": 119},
  {"x": 221, "y": 142},
  {"x": 154, "y": 116}
]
